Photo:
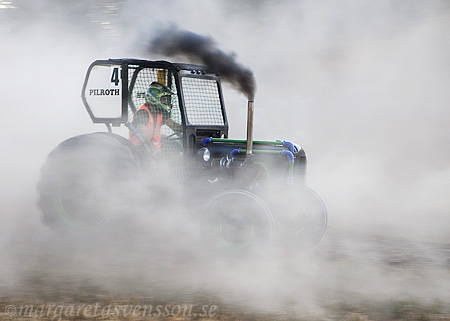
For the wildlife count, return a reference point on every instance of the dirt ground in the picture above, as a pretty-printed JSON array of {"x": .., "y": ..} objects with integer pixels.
[
  {"x": 54, "y": 291},
  {"x": 138, "y": 310}
]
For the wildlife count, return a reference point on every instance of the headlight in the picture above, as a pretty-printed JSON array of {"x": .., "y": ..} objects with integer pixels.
[{"x": 204, "y": 153}]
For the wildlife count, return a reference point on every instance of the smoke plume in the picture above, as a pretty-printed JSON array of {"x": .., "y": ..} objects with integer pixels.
[{"x": 202, "y": 49}]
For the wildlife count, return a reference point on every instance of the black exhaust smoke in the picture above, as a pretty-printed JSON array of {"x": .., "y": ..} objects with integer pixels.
[{"x": 173, "y": 41}]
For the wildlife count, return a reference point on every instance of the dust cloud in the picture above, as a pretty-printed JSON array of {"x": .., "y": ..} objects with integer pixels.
[{"x": 361, "y": 85}]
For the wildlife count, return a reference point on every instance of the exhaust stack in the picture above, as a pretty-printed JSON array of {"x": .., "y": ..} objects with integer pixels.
[{"x": 250, "y": 127}]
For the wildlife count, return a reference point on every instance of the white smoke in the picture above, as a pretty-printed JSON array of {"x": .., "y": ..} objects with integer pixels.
[{"x": 361, "y": 85}]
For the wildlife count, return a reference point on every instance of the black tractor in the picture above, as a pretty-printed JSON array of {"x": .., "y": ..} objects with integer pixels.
[{"x": 244, "y": 194}]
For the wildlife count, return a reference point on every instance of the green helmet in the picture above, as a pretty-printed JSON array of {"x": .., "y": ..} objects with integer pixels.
[{"x": 158, "y": 97}]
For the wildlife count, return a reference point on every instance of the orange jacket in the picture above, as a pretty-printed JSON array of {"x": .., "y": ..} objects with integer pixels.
[{"x": 153, "y": 132}]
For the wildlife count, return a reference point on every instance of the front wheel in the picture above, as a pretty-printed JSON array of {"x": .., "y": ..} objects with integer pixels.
[
  {"x": 237, "y": 222},
  {"x": 304, "y": 222}
]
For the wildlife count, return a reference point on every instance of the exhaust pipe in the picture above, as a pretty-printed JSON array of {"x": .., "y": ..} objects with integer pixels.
[{"x": 250, "y": 127}]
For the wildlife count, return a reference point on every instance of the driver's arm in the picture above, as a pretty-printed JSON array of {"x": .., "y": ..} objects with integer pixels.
[{"x": 177, "y": 128}]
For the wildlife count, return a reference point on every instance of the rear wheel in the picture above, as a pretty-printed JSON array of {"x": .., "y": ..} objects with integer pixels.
[{"x": 86, "y": 178}]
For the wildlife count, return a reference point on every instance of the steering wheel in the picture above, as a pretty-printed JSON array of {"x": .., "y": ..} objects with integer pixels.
[
  {"x": 174, "y": 136},
  {"x": 173, "y": 142}
]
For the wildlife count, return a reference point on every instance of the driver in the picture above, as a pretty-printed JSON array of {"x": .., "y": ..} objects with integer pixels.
[{"x": 154, "y": 113}]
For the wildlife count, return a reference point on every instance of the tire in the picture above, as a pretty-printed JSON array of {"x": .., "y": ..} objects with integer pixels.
[
  {"x": 237, "y": 222},
  {"x": 86, "y": 178},
  {"x": 303, "y": 224}
]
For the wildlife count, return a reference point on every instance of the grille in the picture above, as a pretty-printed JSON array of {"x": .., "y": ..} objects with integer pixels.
[{"x": 202, "y": 101}]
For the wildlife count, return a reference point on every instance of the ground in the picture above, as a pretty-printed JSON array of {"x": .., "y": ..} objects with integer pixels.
[{"x": 381, "y": 279}]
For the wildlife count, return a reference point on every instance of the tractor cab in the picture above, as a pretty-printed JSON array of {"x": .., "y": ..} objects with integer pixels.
[{"x": 114, "y": 90}]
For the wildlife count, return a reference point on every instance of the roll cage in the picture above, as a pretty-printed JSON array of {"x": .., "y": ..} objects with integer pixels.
[{"x": 114, "y": 89}]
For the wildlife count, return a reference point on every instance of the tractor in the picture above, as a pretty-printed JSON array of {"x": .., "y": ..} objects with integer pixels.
[{"x": 244, "y": 194}]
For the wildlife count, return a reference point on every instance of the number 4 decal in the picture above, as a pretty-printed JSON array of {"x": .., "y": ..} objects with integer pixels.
[{"x": 115, "y": 76}]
